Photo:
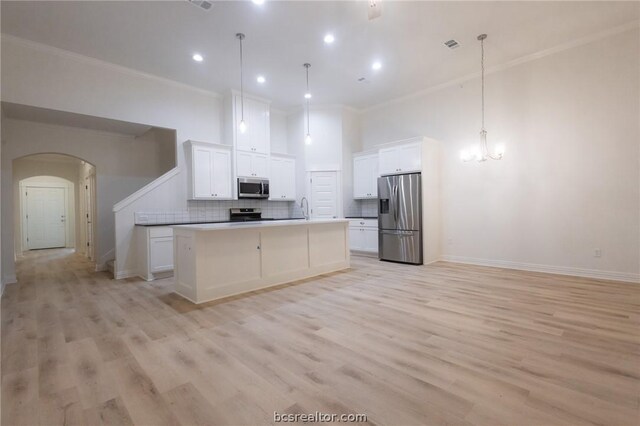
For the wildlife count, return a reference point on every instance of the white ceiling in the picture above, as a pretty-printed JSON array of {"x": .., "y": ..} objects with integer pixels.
[
  {"x": 61, "y": 118},
  {"x": 160, "y": 37}
]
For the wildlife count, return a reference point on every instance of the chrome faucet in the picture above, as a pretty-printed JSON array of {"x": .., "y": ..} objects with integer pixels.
[{"x": 305, "y": 213}]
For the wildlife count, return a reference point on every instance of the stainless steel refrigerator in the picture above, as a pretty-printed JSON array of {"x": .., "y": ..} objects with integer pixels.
[{"x": 400, "y": 218}]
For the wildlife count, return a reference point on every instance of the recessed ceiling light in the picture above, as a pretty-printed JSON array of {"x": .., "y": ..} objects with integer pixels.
[
  {"x": 260, "y": 79},
  {"x": 198, "y": 57},
  {"x": 258, "y": 2},
  {"x": 376, "y": 66},
  {"x": 329, "y": 38},
  {"x": 307, "y": 95}
]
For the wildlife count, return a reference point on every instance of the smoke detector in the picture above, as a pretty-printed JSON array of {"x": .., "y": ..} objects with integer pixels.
[
  {"x": 452, "y": 44},
  {"x": 202, "y": 4}
]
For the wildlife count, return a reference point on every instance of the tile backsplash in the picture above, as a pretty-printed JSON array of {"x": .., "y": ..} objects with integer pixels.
[
  {"x": 357, "y": 208},
  {"x": 212, "y": 211},
  {"x": 369, "y": 208}
]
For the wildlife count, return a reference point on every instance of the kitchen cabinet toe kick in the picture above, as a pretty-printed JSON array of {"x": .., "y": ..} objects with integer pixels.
[{"x": 211, "y": 264}]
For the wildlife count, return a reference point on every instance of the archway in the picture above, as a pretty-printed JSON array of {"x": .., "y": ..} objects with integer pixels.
[{"x": 54, "y": 203}]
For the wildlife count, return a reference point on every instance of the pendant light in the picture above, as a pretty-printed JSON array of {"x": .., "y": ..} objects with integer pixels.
[
  {"x": 307, "y": 96},
  {"x": 242, "y": 126},
  {"x": 482, "y": 152}
]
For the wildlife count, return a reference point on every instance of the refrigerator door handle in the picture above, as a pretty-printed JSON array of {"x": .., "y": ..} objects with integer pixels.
[
  {"x": 395, "y": 204},
  {"x": 398, "y": 233}
]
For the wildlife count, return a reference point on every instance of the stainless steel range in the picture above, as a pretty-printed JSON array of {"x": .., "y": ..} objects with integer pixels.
[{"x": 245, "y": 214}]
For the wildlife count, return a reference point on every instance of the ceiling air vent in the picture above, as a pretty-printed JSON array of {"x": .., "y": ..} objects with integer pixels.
[
  {"x": 452, "y": 44},
  {"x": 202, "y": 4}
]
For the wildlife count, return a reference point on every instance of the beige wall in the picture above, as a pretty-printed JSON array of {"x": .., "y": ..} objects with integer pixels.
[
  {"x": 41, "y": 76},
  {"x": 569, "y": 182},
  {"x": 123, "y": 165}
]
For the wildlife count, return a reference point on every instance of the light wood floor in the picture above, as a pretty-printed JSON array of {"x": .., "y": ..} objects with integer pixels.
[{"x": 443, "y": 344}]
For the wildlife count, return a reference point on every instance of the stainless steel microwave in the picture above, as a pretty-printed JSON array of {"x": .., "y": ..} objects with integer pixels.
[{"x": 253, "y": 188}]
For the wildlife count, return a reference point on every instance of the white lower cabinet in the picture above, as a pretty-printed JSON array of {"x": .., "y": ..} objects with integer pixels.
[
  {"x": 363, "y": 235},
  {"x": 215, "y": 263},
  {"x": 160, "y": 254},
  {"x": 155, "y": 250}
]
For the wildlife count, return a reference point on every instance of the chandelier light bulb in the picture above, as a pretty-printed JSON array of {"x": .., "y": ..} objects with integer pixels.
[
  {"x": 242, "y": 126},
  {"x": 307, "y": 139},
  {"x": 307, "y": 95}
]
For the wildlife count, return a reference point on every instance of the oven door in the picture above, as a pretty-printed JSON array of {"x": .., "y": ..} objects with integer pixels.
[{"x": 253, "y": 188}]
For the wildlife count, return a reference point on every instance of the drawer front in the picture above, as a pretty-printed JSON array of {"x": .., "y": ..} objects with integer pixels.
[
  {"x": 160, "y": 232},
  {"x": 363, "y": 223}
]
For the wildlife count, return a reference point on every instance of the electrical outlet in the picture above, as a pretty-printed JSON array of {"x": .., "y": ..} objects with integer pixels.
[{"x": 597, "y": 253}]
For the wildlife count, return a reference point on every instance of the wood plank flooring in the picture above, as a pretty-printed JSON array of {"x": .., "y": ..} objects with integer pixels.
[{"x": 440, "y": 344}]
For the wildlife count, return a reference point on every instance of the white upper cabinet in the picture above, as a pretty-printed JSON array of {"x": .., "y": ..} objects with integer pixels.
[
  {"x": 405, "y": 158},
  {"x": 256, "y": 116},
  {"x": 251, "y": 164},
  {"x": 222, "y": 180},
  {"x": 365, "y": 176},
  {"x": 282, "y": 183},
  {"x": 210, "y": 171}
]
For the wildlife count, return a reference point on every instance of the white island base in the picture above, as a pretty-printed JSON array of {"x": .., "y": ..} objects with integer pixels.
[{"x": 213, "y": 261}]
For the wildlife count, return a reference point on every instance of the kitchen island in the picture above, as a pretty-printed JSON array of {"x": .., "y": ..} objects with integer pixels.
[{"x": 217, "y": 260}]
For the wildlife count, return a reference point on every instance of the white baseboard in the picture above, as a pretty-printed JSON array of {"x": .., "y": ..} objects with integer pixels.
[
  {"x": 534, "y": 267},
  {"x": 10, "y": 279},
  {"x": 125, "y": 274}
]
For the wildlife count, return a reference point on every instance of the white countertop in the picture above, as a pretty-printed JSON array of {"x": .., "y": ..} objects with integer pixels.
[{"x": 256, "y": 224}]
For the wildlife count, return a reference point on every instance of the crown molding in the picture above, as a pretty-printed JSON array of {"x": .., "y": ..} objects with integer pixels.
[
  {"x": 518, "y": 61},
  {"x": 524, "y": 59},
  {"x": 103, "y": 64}
]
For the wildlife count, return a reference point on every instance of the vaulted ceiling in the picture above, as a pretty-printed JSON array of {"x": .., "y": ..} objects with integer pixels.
[{"x": 161, "y": 37}]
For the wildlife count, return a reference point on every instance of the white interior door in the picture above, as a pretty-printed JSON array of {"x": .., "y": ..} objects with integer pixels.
[
  {"x": 46, "y": 217},
  {"x": 324, "y": 195}
]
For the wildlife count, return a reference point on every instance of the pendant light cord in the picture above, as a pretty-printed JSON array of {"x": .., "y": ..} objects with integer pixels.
[
  {"x": 482, "y": 68},
  {"x": 240, "y": 37},
  {"x": 307, "y": 67}
]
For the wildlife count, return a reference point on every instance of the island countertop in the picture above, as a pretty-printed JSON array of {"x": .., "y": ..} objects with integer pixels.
[
  {"x": 247, "y": 256},
  {"x": 255, "y": 224}
]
